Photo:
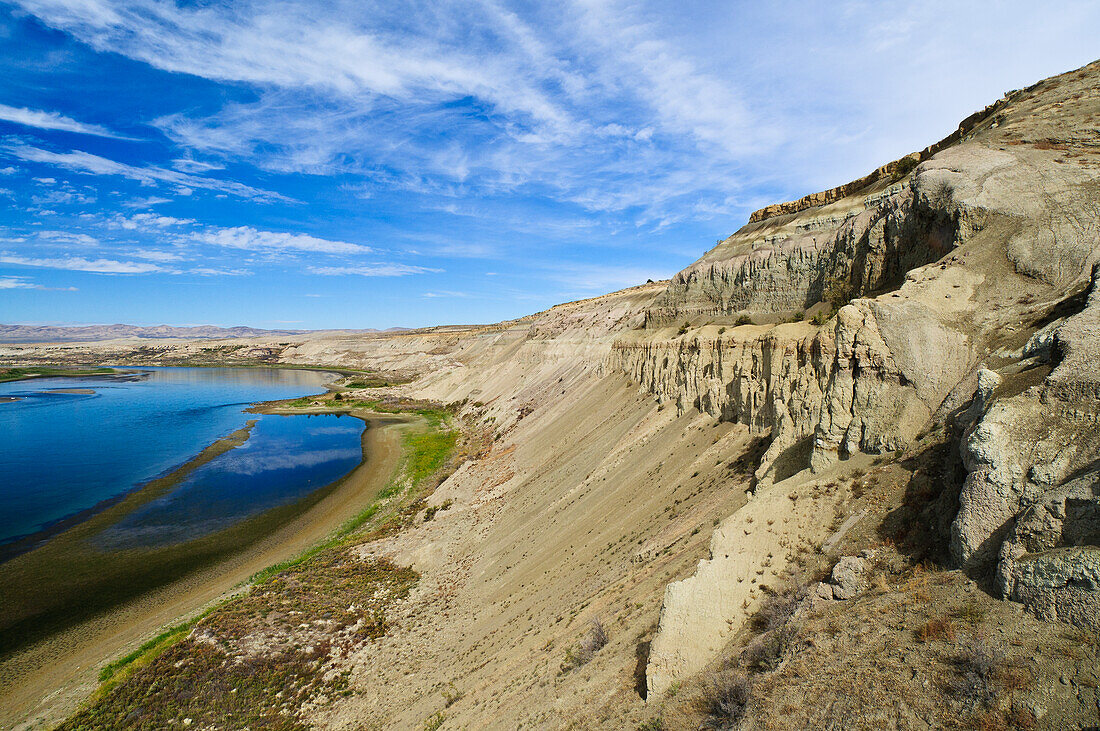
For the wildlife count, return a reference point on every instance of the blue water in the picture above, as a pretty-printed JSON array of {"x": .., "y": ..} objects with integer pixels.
[{"x": 61, "y": 454}]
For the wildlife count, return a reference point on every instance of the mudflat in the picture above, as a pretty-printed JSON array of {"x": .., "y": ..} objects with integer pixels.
[{"x": 43, "y": 680}]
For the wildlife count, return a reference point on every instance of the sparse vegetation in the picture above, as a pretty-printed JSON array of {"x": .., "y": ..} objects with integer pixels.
[
  {"x": 258, "y": 658},
  {"x": 744, "y": 320},
  {"x": 936, "y": 629},
  {"x": 905, "y": 166},
  {"x": 977, "y": 664},
  {"x": 431, "y": 510},
  {"x": 726, "y": 696},
  {"x": 146, "y": 652},
  {"x": 594, "y": 641}
]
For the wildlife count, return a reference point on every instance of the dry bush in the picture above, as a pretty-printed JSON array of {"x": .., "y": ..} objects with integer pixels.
[
  {"x": 778, "y": 608},
  {"x": 979, "y": 664},
  {"x": 726, "y": 697},
  {"x": 592, "y": 643},
  {"x": 971, "y": 612},
  {"x": 768, "y": 651},
  {"x": 936, "y": 629}
]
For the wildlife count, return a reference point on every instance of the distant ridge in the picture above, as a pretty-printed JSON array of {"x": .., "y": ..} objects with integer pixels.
[{"x": 55, "y": 334}]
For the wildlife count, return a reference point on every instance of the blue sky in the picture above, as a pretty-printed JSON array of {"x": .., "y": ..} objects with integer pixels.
[{"x": 373, "y": 164}]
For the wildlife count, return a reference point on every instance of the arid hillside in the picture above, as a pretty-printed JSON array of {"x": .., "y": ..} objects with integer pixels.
[{"x": 841, "y": 472}]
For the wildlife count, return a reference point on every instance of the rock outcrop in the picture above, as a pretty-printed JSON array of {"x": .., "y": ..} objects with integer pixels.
[{"x": 960, "y": 283}]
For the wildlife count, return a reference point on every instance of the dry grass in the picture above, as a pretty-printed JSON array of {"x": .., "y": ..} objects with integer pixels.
[
  {"x": 594, "y": 641},
  {"x": 936, "y": 629},
  {"x": 726, "y": 697}
]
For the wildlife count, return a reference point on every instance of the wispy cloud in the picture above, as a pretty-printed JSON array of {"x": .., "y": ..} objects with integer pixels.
[
  {"x": 85, "y": 162},
  {"x": 53, "y": 121},
  {"x": 565, "y": 102},
  {"x": 24, "y": 283},
  {"x": 373, "y": 270},
  {"x": 251, "y": 239},
  {"x": 68, "y": 238},
  {"x": 447, "y": 293},
  {"x": 80, "y": 264}
]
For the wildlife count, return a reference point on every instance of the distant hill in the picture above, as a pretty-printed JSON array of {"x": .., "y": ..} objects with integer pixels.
[{"x": 52, "y": 334}]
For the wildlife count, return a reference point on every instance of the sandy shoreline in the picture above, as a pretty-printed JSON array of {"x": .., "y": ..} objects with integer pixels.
[{"x": 42, "y": 683}]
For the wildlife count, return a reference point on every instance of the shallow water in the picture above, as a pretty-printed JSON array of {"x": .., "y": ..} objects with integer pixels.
[{"x": 64, "y": 450}]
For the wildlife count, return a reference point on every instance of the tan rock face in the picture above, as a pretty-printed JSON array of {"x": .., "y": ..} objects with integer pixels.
[{"x": 957, "y": 265}]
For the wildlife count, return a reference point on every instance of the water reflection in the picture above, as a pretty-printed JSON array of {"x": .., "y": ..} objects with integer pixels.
[
  {"x": 284, "y": 459},
  {"x": 62, "y": 452}
]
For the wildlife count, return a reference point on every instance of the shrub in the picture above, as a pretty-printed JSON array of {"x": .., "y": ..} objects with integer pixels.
[
  {"x": 431, "y": 510},
  {"x": 592, "y": 643},
  {"x": 777, "y": 609},
  {"x": 978, "y": 665},
  {"x": 837, "y": 291},
  {"x": 769, "y": 650},
  {"x": 904, "y": 167},
  {"x": 726, "y": 697},
  {"x": 744, "y": 320},
  {"x": 683, "y": 328},
  {"x": 798, "y": 316},
  {"x": 936, "y": 629},
  {"x": 971, "y": 612},
  {"x": 821, "y": 318}
]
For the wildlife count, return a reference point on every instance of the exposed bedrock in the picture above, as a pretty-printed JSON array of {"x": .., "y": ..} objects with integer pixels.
[
  {"x": 856, "y": 385},
  {"x": 937, "y": 282},
  {"x": 861, "y": 247},
  {"x": 1030, "y": 506}
]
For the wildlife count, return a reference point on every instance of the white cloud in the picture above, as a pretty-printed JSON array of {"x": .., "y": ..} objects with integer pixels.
[
  {"x": 446, "y": 293},
  {"x": 13, "y": 282},
  {"x": 567, "y": 100},
  {"x": 218, "y": 272},
  {"x": 162, "y": 257},
  {"x": 9, "y": 170},
  {"x": 251, "y": 239},
  {"x": 16, "y": 283},
  {"x": 188, "y": 165},
  {"x": 64, "y": 195},
  {"x": 52, "y": 121},
  {"x": 148, "y": 222},
  {"x": 80, "y": 264},
  {"x": 373, "y": 270},
  {"x": 85, "y": 162},
  {"x": 68, "y": 238},
  {"x": 148, "y": 202}
]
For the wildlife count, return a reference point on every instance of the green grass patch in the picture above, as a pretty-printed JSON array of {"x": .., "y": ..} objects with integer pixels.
[
  {"x": 156, "y": 645},
  {"x": 17, "y": 374},
  {"x": 427, "y": 452}
]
